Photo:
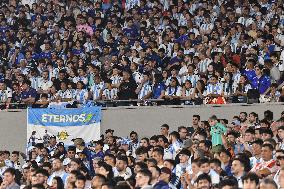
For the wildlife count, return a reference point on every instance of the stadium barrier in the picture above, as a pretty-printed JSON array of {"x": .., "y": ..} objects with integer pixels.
[{"x": 146, "y": 120}]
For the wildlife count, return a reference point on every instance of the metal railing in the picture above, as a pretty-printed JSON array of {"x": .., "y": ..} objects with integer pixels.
[{"x": 133, "y": 102}]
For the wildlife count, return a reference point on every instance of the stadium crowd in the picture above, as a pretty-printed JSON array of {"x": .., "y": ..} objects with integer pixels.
[
  {"x": 245, "y": 152},
  {"x": 180, "y": 51}
]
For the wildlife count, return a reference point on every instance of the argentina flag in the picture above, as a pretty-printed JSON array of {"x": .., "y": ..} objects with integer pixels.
[{"x": 65, "y": 124}]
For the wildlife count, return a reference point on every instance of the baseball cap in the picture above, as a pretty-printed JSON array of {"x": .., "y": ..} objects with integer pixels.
[{"x": 78, "y": 141}]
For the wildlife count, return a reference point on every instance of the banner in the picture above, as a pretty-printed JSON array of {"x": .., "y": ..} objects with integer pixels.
[{"x": 65, "y": 124}]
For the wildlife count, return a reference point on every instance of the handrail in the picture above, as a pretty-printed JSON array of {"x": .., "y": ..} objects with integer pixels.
[{"x": 116, "y": 102}]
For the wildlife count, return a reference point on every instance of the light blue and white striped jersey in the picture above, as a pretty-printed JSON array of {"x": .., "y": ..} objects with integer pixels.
[
  {"x": 169, "y": 80},
  {"x": 129, "y": 4},
  {"x": 192, "y": 78},
  {"x": 198, "y": 20},
  {"x": 53, "y": 73},
  {"x": 96, "y": 90},
  {"x": 206, "y": 26},
  {"x": 35, "y": 82},
  {"x": 81, "y": 96},
  {"x": 115, "y": 79},
  {"x": 203, "y": 64},
  {"x": 245, "y": 21},
  {"x": 65, "y": 94},
  {"x": 227, "y": 89},
  {"x": 80, "y": 78},
  {"x": 214, "y": 89},
  {"x": 236, "y": 78},
  {"x": 5, "y": 94},
  {"x": 173, "y": 91},
  {"x": 146, "y": 89},
  {"x": 110, "y": 94},
  {"x": 189, "y": 92}
]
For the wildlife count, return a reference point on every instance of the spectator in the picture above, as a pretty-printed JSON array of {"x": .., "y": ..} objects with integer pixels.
[
  {"x": 250, "y": 180},
  {"x": 9, "y": 179}
]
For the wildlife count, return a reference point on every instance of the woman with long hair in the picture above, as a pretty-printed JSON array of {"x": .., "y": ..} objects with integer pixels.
[
  {"x": 173, "y": 92},
  {"x": 57, "y": 183},
  {"x": 240, "y": 94},
  {"x": 187, "y": 92},
  {"x": 198, "y": 92}
]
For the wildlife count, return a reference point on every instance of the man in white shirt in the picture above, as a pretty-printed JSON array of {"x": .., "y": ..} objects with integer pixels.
[
  {"x": 5, "y": 94},
  {"x": 44, "y": 83}
]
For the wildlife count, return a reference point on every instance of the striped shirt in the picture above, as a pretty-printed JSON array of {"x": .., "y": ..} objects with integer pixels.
[
  {"x": 206, "y": 27},
  {"x": 81, "y": 96},
  {"x": 172, "y": 91},
  {"x": 96, "y": 90},
  {"x": 65, "y": 94},
  {"x": 34, "y": 82},
  {"x": 192, "y": 78},
  {"x": 53, "y": 73},
  {"x": 80, "y": 78},
  {"x": 146, "y": 89},
  {"x": 214, "y": 89},
  {"x": 110, "y": 94},
  {"x": 5, "y": 94},
  {"x": 189, "y": 92},
  {"x": 169, "y": 80},
  {"x": 203, "y": 64},
  {"x": 116, "y": 79}
]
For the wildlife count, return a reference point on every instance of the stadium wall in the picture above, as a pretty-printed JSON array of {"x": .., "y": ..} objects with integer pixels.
[{"x": 145, "y": 120}]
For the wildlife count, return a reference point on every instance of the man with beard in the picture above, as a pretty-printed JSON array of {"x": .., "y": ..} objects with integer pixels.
[
  {"x": 243, "y": 117},
  {"x": 58, "y": 170},
  {"x": 194, "y": 125},
  {"x": 121, "y": 168},
  {"x": 203, "y": 181},
  {"x": 134, "y": 142}
]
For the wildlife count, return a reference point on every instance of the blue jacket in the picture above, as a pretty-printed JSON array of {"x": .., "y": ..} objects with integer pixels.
[
  {"x": 161, "y": 185},
  {"x": 262, "y": 83}
]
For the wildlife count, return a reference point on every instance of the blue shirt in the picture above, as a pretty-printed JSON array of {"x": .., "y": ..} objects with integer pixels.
[
  {"x": 19, "y": 58},
  {"x": 45, "y": 55},
  {"x": 182, "y": 39},
  {"x": 30, "y": 93},
  {"x": 250, "y": 74},
  {"x": 100, "y": 154},
  {"x": 262, "y": 83},
  {"x": 228, "y": 170},
  {"x": 157, "y": 90}
]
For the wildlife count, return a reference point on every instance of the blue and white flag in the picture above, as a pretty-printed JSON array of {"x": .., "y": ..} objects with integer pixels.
[{"x": 65, "y": 124}]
